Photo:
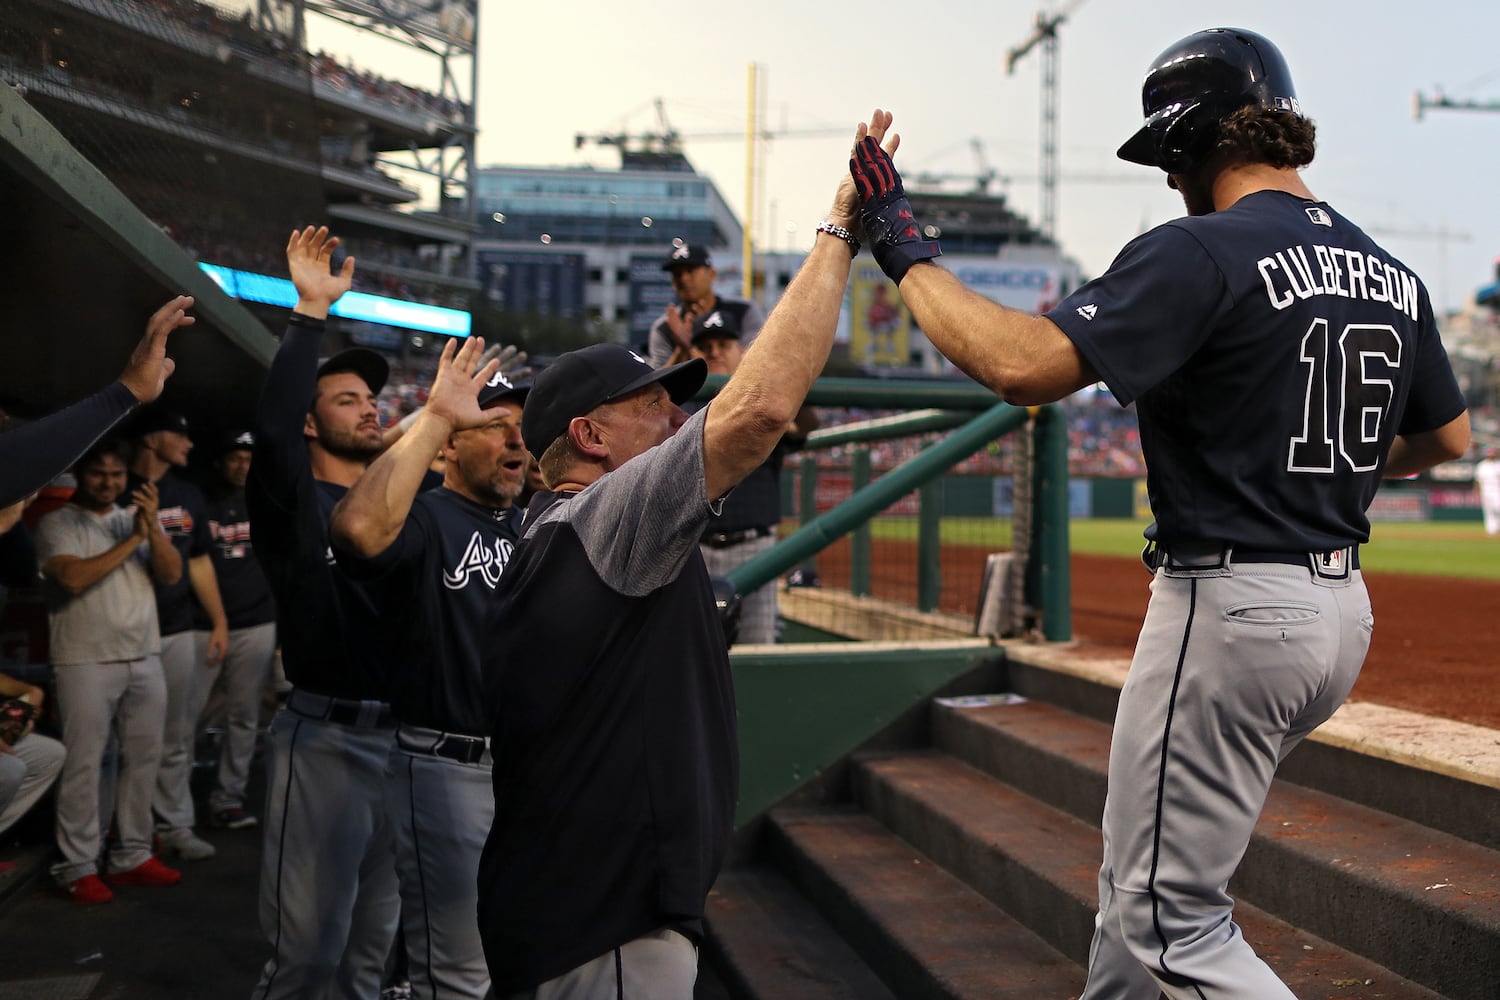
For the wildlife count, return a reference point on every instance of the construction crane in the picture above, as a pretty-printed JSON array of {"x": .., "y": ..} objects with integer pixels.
[
  {"x": 983, "y": 176},
  {"x": 1044, "y": 33},
  {"x": 668, "y": 140},
  {"x": 1421, "y": 102}
]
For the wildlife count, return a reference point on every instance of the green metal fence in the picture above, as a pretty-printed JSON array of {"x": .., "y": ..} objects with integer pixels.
[{"x": 975, "y": 419}]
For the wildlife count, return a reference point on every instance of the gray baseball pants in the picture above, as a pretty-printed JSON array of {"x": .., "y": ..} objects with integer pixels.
[
  {"x": 232, "y": 688},
  {"x": 1234, "y": 666},
  {"x": 328, "y": 898},
  {"x": 132, "y": 695},
  {"x": 442, "y": 811},
  {"x": 662, "y": 965},
  {"x": 181, "y": 661},
  {"x": 757, "y": 608},
  {"x": 25, "y": 775}
]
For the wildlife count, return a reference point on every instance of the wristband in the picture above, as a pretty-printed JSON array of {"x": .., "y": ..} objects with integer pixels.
[{"x": 827, "y": 227}]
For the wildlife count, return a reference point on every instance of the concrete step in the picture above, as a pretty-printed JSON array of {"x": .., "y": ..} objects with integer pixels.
[
  {"x": 1419, "y": 901},
  {"x": 927, "y": 934},
  {"x": 1039, "y": 864},
  {"x": 766, "y": 940},
  {"x": 1435, "y": 772}
]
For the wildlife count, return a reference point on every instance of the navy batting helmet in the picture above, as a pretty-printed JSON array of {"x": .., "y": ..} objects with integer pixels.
[{"x": 1195, "y": 84}]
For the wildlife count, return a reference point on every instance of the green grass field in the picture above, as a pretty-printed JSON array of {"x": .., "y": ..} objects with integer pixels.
[{"x": 1456, "y": 549}]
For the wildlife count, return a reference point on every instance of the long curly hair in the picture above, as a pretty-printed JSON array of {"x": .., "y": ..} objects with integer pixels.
[{"x": 1259, "y": 135}]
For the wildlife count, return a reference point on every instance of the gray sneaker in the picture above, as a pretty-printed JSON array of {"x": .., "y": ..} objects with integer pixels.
[{"x": 187, "y": 846}]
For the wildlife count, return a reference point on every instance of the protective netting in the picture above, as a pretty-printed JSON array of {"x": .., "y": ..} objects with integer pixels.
[
  {"x": 973, "y": 506},
  {"x": 202, "y": 115}
]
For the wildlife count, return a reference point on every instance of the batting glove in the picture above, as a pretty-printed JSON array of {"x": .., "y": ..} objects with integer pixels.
[{"x": 894, "y": 236}]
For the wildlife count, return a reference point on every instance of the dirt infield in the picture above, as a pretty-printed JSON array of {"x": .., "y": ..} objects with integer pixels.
[{"x": 1436, "y": 647}]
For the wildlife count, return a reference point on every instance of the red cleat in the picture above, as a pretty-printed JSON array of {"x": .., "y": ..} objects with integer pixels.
[
  {"x": 89, "y": 891},
  {"x": 148, "y": 872}
]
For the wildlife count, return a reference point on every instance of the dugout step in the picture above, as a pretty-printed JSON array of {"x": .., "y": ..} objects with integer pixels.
[
  {"x": 1432, "y": 771},
  {"x": 766, "y": 941},
  {"x": 1040, "y": 864},
  {"x": 923, "y": 931},
  {"x": 1420, "y": 901}
]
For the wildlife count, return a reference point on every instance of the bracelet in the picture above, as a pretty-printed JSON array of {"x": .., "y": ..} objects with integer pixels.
[{"x": 827, "y": 227}]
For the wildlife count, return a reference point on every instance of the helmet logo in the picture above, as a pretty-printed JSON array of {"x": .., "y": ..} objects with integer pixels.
[{"x": 1289, "y": 104}]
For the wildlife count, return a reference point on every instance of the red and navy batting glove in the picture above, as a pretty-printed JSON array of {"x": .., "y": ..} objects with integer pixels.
[{"x": 894, "y": 236}]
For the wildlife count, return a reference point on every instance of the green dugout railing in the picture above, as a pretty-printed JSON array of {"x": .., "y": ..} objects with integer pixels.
[
  {"x": 976, "y": 419},
  {"x": 803, "y": 707}
]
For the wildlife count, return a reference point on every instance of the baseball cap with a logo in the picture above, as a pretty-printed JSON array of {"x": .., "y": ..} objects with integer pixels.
[
  {"x": 362, "y": 361},
  {"x": 239, "y": 440},
  {"x": 688, "y": 255},
  {"x": 717, "y": 323},
  {"x": 580, "y": 380},
  {"x": 501, "y": 387}
]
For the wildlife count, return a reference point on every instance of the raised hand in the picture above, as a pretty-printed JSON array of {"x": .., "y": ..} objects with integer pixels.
[
  {"x": 680, "y": 324},
  {"x": 885, "y": 214},
  {"x": 146, "y": 502},
  {"x": 845, "y": 210},
  {"x": 148, "y": 369},
  {"x": 309, "y": 256},
  {"x": 511, "y": 361},
  {"x": 454, "y": 395}
]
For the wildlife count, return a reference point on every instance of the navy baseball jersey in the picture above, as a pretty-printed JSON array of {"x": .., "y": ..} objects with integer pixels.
[
  {"x": 435, "y": 583},
  {"x": 327, "y": 624},
  {"x": 182, "y": 514},
  {"x": 242, "y": 583},
  {"x": 614, "y": 736},
  {"x": 1273, "y": 352}
]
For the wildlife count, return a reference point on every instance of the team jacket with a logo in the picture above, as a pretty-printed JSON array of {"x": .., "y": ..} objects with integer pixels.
[
  {"x": 326, "y": 623},
  {"x": 433, "y": 585}
]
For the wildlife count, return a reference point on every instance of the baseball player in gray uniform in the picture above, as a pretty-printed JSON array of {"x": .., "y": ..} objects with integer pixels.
[
  {"x": 1281, "y": 363},
  {"x": 329, "y": 902},
  {"x": 433, "y": 559}
]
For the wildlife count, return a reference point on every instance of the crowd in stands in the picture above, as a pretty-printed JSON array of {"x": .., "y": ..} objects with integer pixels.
[
  {"x": 241, "y": 33},
  {"x": 1103, "y": 441}
]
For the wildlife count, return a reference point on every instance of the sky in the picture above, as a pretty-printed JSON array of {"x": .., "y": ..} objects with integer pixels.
[{"x": 1428, "y": 190}]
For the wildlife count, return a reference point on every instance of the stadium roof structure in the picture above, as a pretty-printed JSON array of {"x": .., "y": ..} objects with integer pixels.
[{"x": 84, "y": 268}]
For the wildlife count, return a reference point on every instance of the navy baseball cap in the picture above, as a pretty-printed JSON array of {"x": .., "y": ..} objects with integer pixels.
[
  {"x": 717, "y": 323},
  {"x": 688, "y": 255},
  {"x": 362, "y": 361},
  {"x": 580, "y": 380},
  {"x": 151, "y": 419},
  {"x": 500, "y": 387}
]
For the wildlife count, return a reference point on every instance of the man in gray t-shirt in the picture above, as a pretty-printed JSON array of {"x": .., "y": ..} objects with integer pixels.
[
  {"x": 98, "y": 561},
  {"x": 616, "y": 767}
]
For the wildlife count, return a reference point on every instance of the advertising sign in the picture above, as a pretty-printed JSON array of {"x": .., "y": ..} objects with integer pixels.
[{"x": 879, "y": 325}]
